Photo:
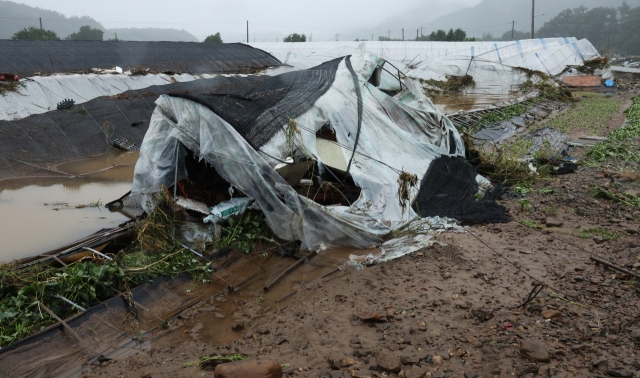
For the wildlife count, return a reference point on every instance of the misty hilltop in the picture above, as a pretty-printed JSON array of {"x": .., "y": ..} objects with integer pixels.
[
  {"x": 495, "y": 16},
  {"x": 19, "y": 16}
]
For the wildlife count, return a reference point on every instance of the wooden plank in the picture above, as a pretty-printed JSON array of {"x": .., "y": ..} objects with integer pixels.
[{"x": 583, "y": 81}]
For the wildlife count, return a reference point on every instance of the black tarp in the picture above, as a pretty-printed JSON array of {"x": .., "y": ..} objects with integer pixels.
[
  {"x": 448, "y": 189},
  {"x": 28, "y": 57},
  {"x": 61, "y": 135},
  {"x": 258, "y": 113}
]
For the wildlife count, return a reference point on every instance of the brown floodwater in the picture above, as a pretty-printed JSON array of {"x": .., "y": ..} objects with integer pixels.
[{"x": 41, "y": 214}]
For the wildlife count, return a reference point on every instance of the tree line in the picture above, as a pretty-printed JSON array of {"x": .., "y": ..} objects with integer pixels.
[{"x": 86, "y": 33}]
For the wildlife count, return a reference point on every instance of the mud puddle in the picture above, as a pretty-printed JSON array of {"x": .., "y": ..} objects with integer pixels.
[
  {"x": 40, "y": 214},
  {"x": 221, "y": 314}
]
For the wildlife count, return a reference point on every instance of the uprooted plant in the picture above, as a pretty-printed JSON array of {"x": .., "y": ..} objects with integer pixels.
[
  {"x": 406, "y": 181},
  {"x": 243, "y": 231},
  {"x": 453, "y": 84}
]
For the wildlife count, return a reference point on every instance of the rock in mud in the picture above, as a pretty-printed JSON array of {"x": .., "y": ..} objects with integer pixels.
[
  {"x": 619, "y": 373},
  {"x": 372, "y": 316},
  {"x": 482, "y": 314},
  {"x": 551, "y": 314},
  {"x": 635, "y": 334},
  {"x": 630, "y": 175},
  {"x": 249, "y": 369},
  {"x": 389, "y": 362},
  {"x": 599, "y": 362},
  {"x": 535, "y": 351},
  {"x": 415, "y": 372},
  {"x": 554, "y": 222}
]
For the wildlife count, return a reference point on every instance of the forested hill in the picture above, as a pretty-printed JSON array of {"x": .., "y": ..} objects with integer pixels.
[
  {"x": 150, "y": 34},
  {"x": 14, "y": 17},
  {"x": 495, "y": 16}
]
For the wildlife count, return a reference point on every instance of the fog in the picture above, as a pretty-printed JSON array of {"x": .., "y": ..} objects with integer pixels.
[{"x": 268, "y": 21}]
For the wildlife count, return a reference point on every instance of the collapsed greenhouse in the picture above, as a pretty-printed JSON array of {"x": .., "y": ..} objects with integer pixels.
[{"x": 332, "y": 155}]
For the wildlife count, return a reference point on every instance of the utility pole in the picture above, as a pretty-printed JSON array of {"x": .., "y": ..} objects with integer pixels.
[
  {"x": 421, "y": 28},
  {"x": 40, "y": 23},
  {"x": 389, "y": 36},
  {"x": 417, "y": 31},
  {"x": 513, "y": 28},
  {"x": 311, "y": 37},
  {"x": 247, "y": 31},
  {"x": 403, "y": 34},
  {"x": 533, "y": 17}
]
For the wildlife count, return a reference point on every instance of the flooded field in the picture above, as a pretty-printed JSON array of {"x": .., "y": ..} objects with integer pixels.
[{"x": 40, "y": 214}]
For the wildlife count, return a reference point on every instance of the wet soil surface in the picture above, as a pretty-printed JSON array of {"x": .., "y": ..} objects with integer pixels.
[
  {"x": 450, "y": 311},
  {"x": 520, "y": 299}
]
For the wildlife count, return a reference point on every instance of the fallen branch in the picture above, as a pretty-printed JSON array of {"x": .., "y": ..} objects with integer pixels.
[{"x": 615, "y": 267}]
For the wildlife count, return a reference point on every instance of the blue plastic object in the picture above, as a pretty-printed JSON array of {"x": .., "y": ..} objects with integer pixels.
[{"x": 609, "y": 83}]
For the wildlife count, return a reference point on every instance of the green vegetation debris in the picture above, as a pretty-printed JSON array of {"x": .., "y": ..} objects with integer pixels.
[
  {"x": 627, "y": 199},
  {"x": 10, "y": 86},
  {"x": 206, "y": 361},
  {"x": 552, "y": 210},
  {"x": 546, "y": 191},
  {"x": 453, "y": 84},
  {"x": 243, "y": 231},
  {"x": 531, "y": 224},
  {"x": 523, "y": 188},
  {"x": 504, "y": 162},
  {"x": 547, "y": 89}
]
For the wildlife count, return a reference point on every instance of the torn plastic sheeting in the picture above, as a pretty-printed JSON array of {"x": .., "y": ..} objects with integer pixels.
[
  {"x": 189, "y": 204},
  {"x": 198, "y": 236},
  {"x": 422, "y": 233},
  {"x": 39, "y": 95},
  {"x": 400, "y": 133},
  {"x": 493, "y": 65}
]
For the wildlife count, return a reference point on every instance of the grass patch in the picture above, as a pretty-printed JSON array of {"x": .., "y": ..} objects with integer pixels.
[
  {"x": 590, "y": 113},
  {"x": 588, "y": 233},
  {"x": 551, "y": 210}
]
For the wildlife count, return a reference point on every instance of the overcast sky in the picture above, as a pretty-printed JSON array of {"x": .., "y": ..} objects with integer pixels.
[{"x": 268, "y": 20}]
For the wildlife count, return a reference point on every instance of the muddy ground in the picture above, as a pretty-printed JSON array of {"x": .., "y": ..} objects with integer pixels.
[{"x": 458, "y": 309}]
